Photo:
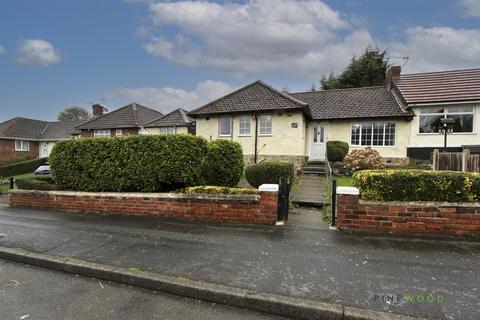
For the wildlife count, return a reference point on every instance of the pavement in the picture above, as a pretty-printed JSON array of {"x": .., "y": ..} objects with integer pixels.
[
  {"x": 310, "y": 190},
  {"x": 29, "y": 292},
  {"x": 385, "y": 273}
]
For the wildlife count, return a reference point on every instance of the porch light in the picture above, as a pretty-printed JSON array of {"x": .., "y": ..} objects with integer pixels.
[{"x": 446, "y": 129}]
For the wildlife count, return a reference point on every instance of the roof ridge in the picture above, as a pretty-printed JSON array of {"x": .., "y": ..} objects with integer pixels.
[
  {"x": 282, "y": 94},
  {"x": 184, "y": 115},
  {"x": 342, "y": 89},
  {"x": 163, "y": 116},
  {"x": 437, "y": 72}
]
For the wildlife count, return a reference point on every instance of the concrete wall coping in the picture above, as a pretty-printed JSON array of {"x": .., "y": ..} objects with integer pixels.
[
  {"x": 170, "y": 196},
  {"x": 421, "y": 203},
  {"x": 348, "y": 191},
  {"x": 268, "y": 187}
]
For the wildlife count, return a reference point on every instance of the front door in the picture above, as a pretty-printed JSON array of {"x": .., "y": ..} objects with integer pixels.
[
  {"x": 43, "y": 149},
  {"x": 318, "y": 143}
]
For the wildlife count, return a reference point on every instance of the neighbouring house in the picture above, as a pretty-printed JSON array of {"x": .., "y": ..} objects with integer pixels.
[
  {"x": 436, "y": 95},
  {"x": 125, "y": 121},
  {"x": 175, "y": 122},
  {"x": 294, "y": 127},
  {"x": 22, "y": 137}
]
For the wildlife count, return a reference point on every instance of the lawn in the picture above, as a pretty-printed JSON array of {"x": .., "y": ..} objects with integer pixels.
[{"x": 344, "y": 181}]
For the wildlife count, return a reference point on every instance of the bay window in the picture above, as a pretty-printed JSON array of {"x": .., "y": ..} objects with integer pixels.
[
  {"x": 430, "y": 118},
  {"x": 225, "y": 126},
  {"x": 373, "y": 134}
]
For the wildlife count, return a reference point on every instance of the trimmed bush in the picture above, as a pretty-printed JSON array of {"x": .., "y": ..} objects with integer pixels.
[
  {"x": 135, "y": 163},
  {"x": 15, "y": 160},
  {"x": 363, "y": 159},
  {"x": 21, "y": 167},
  {"x": 269, "y": 172},
  {"x": 218, "y": 190},
  {"x": 336, "y": 150},
  {"x": 224, "y": 163},
  {"x": 418, "y": 185},
  {"x": 35, "y": 183}
]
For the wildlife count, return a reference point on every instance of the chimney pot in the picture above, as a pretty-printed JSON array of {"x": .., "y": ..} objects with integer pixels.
[
  {"x": 97, "y": 110},
  {"x": 393, "y": 74}
]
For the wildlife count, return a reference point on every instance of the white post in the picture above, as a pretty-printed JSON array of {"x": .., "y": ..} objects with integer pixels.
[
  {"x": 465, "y": 157},
  {"x": 435, "y": 159}
]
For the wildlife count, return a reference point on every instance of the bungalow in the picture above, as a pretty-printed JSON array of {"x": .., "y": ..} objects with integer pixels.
[
  {"x": 127, "y": 120},
  {"x": 175, "y": 122},
  {"x": 22, "y": 137}
]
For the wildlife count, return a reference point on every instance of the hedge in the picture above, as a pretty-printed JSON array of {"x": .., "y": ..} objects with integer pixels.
[
  {"x": 417, "y": 185},
  {"x": 336, "y": 150},
  {"x": 135, "y": 163},
  {"x": 35, "y": 183},
  {"x": 218, "y": 190},
  {"x": 269, "y": 172},
  {"x": 16, "y": 160},
  {"x": 224, "y": 163},
  {"x": 28, "y": 166}
]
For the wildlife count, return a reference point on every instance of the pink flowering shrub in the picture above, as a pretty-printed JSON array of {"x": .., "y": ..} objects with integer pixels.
[{"x": 362, "y": 159}]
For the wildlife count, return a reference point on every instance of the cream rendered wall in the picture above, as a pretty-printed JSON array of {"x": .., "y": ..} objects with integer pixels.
[
  {"x": 284, "y": 140},
  {"x": 178, "y": 130},
  {"x": 49, "y": 144},
  {"x": 436, "y": 140},
  {"x": 340, "y": 130}
]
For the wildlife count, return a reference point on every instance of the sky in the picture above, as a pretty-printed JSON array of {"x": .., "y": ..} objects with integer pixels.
[{"x": 168, "y": 54}]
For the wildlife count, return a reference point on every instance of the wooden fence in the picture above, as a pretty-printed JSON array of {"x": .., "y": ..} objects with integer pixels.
[{"x": 456, "y": 161}]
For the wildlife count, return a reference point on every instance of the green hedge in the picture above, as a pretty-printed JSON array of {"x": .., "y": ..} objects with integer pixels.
[
  {"x": 268, "y": 172},
  {"x": 336, "y": 150},
  {"x": 139, "y": 163},
  {"x": 21, "y": 167},
  {"x": 224, "y": 163},
  {"x": 218, "y": 190},
  {"x": 35, "y": 183},
  {"x": 418, "y": 185},
  {"x": 16, "y": 160}
]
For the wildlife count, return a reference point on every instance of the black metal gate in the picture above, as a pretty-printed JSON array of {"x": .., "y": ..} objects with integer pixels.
[
  {"x": 283, "y": 199},
  {"x": 6, "y": 184}
]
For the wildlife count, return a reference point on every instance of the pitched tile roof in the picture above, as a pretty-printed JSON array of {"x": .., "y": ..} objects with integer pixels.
[
  {"x": 30, "y": 129},
  {"x": 129, "y": 116},
  {"x": 444, "y": 86},
  {"x": 176, "y": 118},
  {"x": 256, "y": 96},
  {"x": 354, "y": 103}
]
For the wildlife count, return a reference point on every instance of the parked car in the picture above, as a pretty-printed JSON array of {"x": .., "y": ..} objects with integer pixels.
[{"x": 43, "y": 170}]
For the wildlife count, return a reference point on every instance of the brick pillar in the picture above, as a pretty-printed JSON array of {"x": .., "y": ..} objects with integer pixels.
[
  {"x": 269, "y": 202},
  {"x": 347, "y": 199}
]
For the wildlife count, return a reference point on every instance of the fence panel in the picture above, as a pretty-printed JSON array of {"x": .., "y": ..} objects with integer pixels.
[{"x": 456, "y": 161}]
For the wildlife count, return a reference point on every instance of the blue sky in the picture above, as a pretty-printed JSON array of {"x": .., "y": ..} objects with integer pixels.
[{"x": 166, "y": 54}]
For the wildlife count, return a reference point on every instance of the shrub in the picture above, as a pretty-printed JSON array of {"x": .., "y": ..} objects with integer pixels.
[
  {"x": 268, "y": 172},
  {"x": 21, "y": 167},
  {"x": 336, "y": 150},
  {"x": 134, "y": 163},
  {"x": 224, "y": 163},
  {"x": 418, "y": 185},
  {"x": 15, "y": 160},
  {"x": 35, "y": 183},
  {"x": 362, "y": 159},
  {"x": 218, "y": 190}
]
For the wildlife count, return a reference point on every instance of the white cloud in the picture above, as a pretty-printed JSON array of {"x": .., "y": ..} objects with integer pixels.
[
  {"x": 304, "y": 37},
  {"x": 2, "y": 50},
  {"x": 439, "y": 48},
  {"x": 471, "y": 8},
  {"x": 166, "y": 99},
  {"x": 37, "y": 52}
]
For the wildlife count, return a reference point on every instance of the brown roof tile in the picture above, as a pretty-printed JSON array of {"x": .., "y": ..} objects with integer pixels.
[{"x": 176, "y": 118}]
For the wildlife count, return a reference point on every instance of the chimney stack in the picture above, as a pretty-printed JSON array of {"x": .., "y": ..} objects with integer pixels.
[
  {"x": 97, "y": 110},
  {"x": 393, "y": 74}
]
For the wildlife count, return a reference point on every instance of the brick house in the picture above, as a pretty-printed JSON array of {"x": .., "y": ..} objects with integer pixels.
[
  {"x": 22, "y": 137},
  {"x": 125, "y": 121}
]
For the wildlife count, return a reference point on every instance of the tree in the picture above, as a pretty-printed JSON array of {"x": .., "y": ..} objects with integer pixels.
[
  {"x": 367, "y": 70},
  {"x": 73, "y": 114}
]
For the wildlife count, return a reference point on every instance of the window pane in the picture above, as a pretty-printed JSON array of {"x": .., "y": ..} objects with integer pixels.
[
  {"x": 366, "y": 134},
  {"x": 315, "y": 134},
  {"x": 322, "y": 134},
  {"x": 244, "y": 125},
  {"x": 167, "y": 130},
  {"x": 225, "y": 126},
  {"x": 355, "y": 136},
  {"x": 18, "y": 145},
  {"x": 265, "y": 125},
  {"x": 432, "y": 110},
  {"x": 378, "y": 134},
  {"x": 459, "y": 109},
  {"x": 430, "y": 124},
  {"x": 463, "y": 123},
  {"x": 389, "y": 134}
]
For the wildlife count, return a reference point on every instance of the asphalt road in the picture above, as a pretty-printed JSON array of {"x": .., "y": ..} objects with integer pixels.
[
  {"x": 372, "y": 272},
  {"x": 31, "y": 293}
]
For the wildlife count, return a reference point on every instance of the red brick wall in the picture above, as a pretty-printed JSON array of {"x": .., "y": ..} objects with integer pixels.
[
  {"x": 408, "y": 217},
  {"x": 244, "y": 209},
  {"x": 7, "y": 150}
]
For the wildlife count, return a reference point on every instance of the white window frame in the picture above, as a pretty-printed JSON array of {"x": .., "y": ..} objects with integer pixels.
[
  {"x": 262, "y": 131},
  {"x": 372, "y": 124},
  {"x": 102, "y": 133},
  {"x": 167, "y": 130},
  {"x": 22, "y": 145},
  {"x": 246, "y": 128},
  {"x": 119, "y": 132},
  {"x": 220, "y": 126},
  {"x": 445, "y": 114}
]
